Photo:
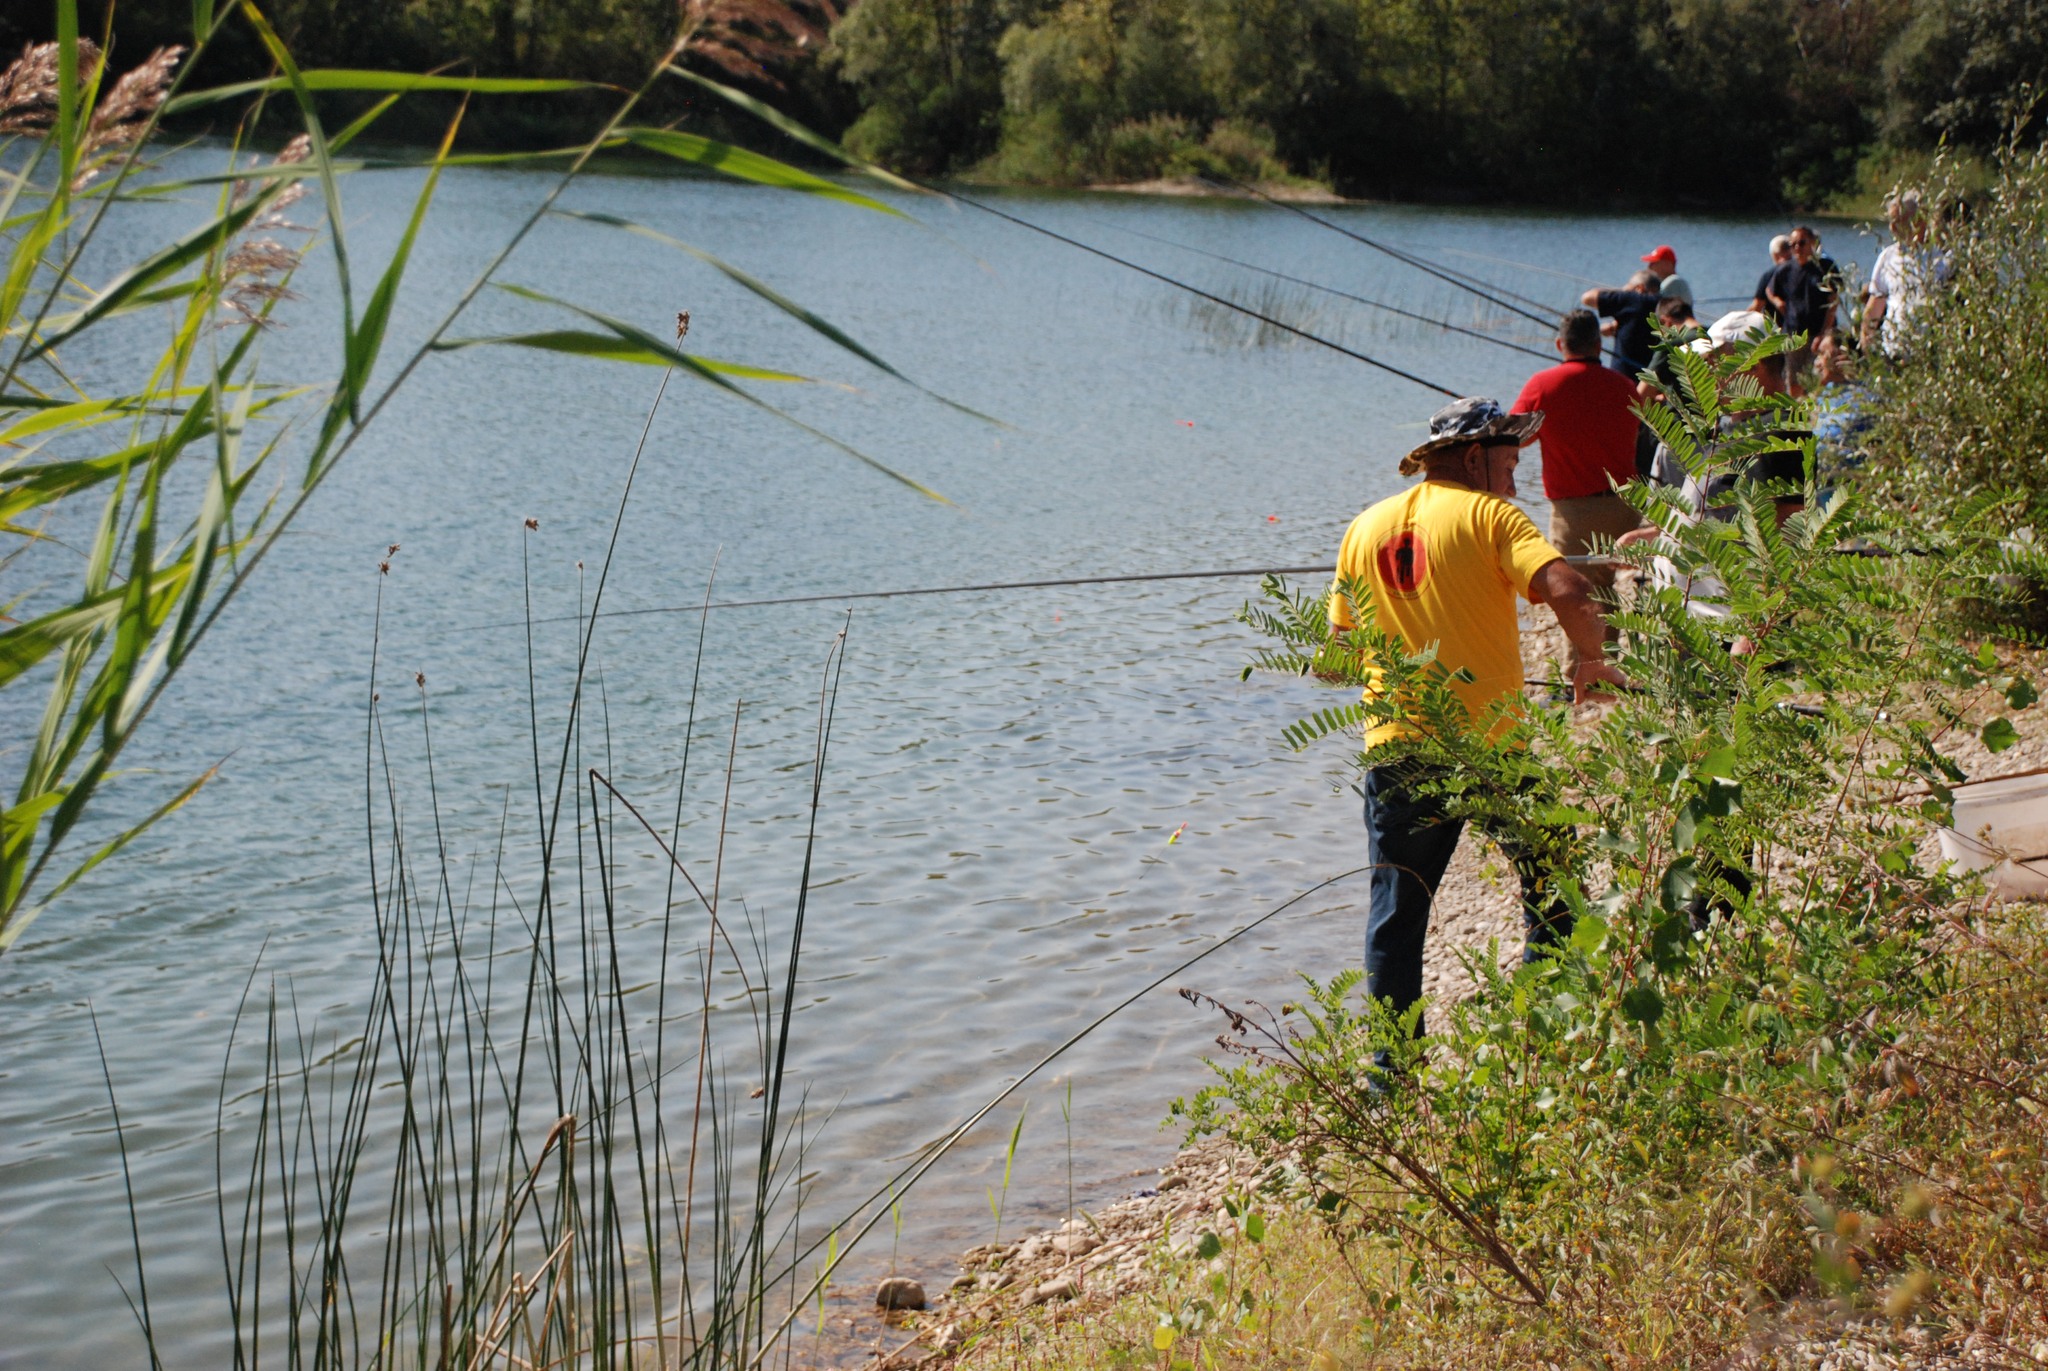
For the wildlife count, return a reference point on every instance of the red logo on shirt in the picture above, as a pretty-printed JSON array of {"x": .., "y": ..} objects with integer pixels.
[{"x": 1404, "y": 562}]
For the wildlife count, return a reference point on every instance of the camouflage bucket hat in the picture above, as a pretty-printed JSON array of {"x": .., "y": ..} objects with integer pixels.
[{"x": 1473, "y": 419}]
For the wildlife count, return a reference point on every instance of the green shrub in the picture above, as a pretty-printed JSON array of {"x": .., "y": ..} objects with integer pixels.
[
  {"x": 1235, "y": 149},
  {"x": 1965, "y": 409},
  {"x": 1144, "y": 149}
]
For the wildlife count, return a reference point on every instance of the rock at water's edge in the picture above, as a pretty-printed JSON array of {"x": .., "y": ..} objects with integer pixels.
[{"x": 899, "y": 1292}]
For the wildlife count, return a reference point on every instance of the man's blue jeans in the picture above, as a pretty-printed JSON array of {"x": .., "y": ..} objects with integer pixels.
[{"x": 1410, "y": 840}]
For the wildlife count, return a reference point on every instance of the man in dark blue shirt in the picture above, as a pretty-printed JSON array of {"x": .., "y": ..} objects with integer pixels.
[
  {"x": 1799, "y": 288},
  {"x": 1631, "y": 308},
  {"x": 1801, "y": 291}
]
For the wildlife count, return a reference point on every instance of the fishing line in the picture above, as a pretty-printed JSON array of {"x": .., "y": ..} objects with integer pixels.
[
  {"x": 1343, "y": 294},
  {"x": 1406, "y": 257},
  {"x": 1520, "y": 266},
  {"x": 1493, "y": 286},
  {"x": 843, "y": 595},
  {"x": 1107, "y": 256}
]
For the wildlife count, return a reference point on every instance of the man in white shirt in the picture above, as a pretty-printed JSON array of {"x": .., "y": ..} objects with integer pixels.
[{"x": 1906, "y": 270}]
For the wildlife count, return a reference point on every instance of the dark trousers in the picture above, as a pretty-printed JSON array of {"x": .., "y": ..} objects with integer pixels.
[{"x": 1410, "y": 840}]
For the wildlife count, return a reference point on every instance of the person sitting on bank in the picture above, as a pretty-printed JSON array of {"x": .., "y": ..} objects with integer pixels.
[
  {"x": 1444, "y": 561},
  {"x": 1630, "y": 308},
  {"x": 1588, "y": 447},
  {"x": 1676, "y": 323},
  {"x": 1781, "y": 253},
  {"x": 1673, "y": 316}
]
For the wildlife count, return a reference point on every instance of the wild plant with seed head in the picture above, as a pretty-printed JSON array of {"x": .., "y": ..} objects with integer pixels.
[
  {"x": 122, "y": 116},
  {"x": 254, "y": 275},
  {"x": 757, "y": 40},
  {"x": 28, "y": 88}
]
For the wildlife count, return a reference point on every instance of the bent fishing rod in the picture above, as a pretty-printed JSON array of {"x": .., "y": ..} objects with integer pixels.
[
  {"x": 1444, "y": 324},
  {"x": 1213, "y": 298},
  {"x": 1407, "y": 258}
]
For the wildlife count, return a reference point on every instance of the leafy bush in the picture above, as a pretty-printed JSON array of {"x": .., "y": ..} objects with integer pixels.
[
  {"x": 1518, "y": 1152},
  {"x": 1143, "y": 149},
  {"x": 1965, "y": 408}
]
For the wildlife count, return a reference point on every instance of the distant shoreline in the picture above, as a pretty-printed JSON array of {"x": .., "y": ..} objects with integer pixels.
[{"x": 1195, "y": 187}]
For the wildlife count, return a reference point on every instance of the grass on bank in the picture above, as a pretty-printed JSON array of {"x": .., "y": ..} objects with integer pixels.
[{"x": 1912, "y": 1199}]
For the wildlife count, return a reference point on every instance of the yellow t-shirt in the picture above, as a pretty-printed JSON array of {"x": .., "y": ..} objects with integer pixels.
[{"x": 1445, "y": 564}]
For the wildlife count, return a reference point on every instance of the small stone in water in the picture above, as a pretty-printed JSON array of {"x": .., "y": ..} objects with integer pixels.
[{"x": 899, "y": 1292}]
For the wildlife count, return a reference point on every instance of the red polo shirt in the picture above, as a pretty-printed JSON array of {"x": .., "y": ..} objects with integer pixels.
[{"x": 1589, "y": 429}]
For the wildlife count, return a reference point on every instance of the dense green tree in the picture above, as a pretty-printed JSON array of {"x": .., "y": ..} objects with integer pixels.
[
  {"x": 928, "y": 77},
  {"x": 1706, "y": 102},
  {"x": 1968, "y": 71}
]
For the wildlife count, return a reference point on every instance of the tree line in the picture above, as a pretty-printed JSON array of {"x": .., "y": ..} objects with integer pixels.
[{"x": 1666, "y": 102}]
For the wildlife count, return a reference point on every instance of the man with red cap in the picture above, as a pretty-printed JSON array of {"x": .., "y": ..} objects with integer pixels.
[
  {"x": 1662, "y": 263},
  {"x": 1634, "y": 306}
]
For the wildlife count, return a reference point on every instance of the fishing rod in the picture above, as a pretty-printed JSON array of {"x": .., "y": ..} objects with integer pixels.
[
  {"x": 1408, "y": 258},
  {"x": 1494, "y": 286},
  {"x": 1483, "y": 336},
  {"x": 1280, "y": 324},
  {"x": 1519, "y": 266},
  {"x": 839, "y": 596}
]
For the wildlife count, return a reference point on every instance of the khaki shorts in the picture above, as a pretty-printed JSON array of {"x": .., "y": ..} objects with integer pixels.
[
  {"x": 1573, "y": 526},
  {"x": 1575, "y": 523}
]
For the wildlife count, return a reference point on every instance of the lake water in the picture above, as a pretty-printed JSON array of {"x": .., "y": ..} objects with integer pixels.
[{"x": 1006, "y": 768}]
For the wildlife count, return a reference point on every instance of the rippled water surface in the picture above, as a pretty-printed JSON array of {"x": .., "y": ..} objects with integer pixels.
[{"x": 1006, "y": 768}]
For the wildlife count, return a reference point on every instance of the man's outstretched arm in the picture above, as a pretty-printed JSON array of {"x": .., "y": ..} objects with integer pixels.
[{"x": 1570, "y": 597}]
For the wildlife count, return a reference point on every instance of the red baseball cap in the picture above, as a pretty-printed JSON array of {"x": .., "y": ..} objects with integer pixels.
[{"x": 1661, "y": 253}]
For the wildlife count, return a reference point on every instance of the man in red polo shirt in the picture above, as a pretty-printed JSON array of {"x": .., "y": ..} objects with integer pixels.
[{"x": 1589, "y": 447}]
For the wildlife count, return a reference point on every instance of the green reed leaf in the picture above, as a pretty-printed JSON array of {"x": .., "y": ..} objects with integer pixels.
[
  {"x": 682, "y": 360},
  {"x": 579, "y": 343},
  {"x": 394, "y": 82},
  {"x": 742, "y": 165},
  {"x": 23, "y": 818},
  {"x": 817, "y": 142}
]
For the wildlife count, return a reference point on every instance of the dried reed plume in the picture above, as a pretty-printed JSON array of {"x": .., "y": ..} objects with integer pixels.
[
  {"x": 125, "y": 110},
  {"x": 757, "y": 39},
  {"x": 249, "y": 274},
  {"x": 28, "y": 88}
]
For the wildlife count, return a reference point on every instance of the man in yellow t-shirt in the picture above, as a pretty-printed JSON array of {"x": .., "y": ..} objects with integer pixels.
[{"x": 1444, "y": 561}]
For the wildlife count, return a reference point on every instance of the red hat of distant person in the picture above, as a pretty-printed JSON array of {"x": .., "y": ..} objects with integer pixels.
[{"x": 1661, "y": 253}]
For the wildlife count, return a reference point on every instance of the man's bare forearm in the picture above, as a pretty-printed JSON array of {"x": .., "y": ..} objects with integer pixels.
[{"x": 1582, "y": 623}]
